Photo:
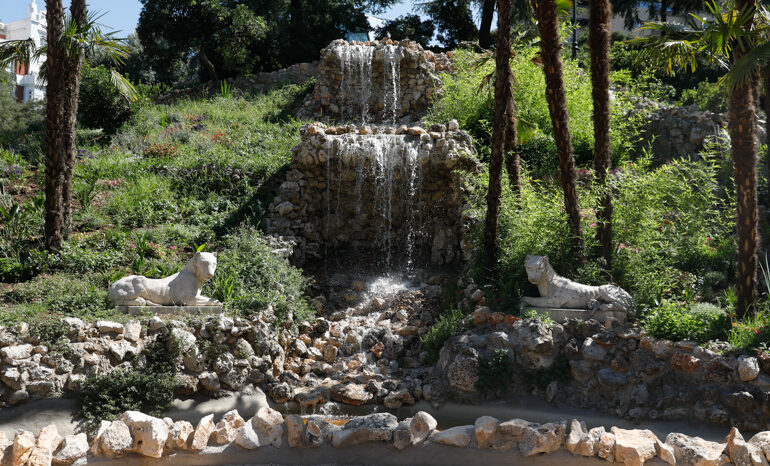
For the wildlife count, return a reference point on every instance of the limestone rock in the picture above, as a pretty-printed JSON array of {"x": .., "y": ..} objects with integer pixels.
[
  {"x": 268, "y": 424},
  {"x": 180, "y": 340},
  {"x": 23, "y": 443},
  {"x": 12, "y": 354},
  {"x": 665, "y": 452},
  {"x": 313, "y": 397},
  {"x": 577, "y": 434},
  {"x": 422, "y": 425},
  {"x": 606, "y": 446},
  {"x": 485, "y": 428},
  {"x": 352, "y": 394},
  {"x": 695, "y": 450},
  {"x": 96, "y": 446},
  {"x": 116, "y": 440},
  {"x": 371, "y": 428},
  {"x": 108, "y": 326},
  {"x": 149, "y": 433},
  {"x": 295, "y": 430},
  {"x": 634, "y": 447},
  {"x": 459, "y": 436},
  {"x": 462, "y": 373},
  {"x": 246, "y": 437},
  {"x": 748, "y": 368},
  {"x": 319, "y": 431},
  {"x": 402, "y": 436},
  {"x": 48, "y": 438},
  {"x": 39, "y": 457},
  {"x": 202, "y": 433},
  {"x": 761, "y": 440},
  {"x": 738, "y": 449},
  {"x": 545, "y": 438},
  {"x": 398, "y": 398},
  {"x": 71, "y": 449},
  {"x": 225, "y": 430},
  {"x": 132, "y": 330},
  {"x": 179, "y": 435}
]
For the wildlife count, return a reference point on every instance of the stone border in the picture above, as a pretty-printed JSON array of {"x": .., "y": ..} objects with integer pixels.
[{"x": 134, "y": 433}]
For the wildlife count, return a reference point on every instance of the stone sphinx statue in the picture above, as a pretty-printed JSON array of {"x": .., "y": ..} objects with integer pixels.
[
  {"x": 181, "y": 289},
  {"x": 562, "y": 293}
]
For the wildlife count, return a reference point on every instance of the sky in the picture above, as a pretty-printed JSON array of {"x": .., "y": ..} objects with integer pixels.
[{"x": 123, "y": 15}]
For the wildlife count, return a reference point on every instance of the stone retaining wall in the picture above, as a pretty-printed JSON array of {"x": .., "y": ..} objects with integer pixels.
[
  {"x": 606, "y": 366},
  {"x": 134, "y": 433},
  {"x": 393, "y": 195},
  {"x": 374, "y": 81}
]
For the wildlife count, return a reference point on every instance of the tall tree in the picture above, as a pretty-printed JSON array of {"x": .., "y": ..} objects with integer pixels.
[
  {"x": 600, "y": 16},
  {"x": 72, "y": 68},
  {"x": 550, "y": 54},
  {"x": 407, "y": 27},
  {"x": 656, "y": 10},
  {"x": 453, "y": 20},
  {"x": 56, "y": 121},
  {"x": 485, "y": 27},
  {"x": 502, "y": 97},
  {"x": 745, "y": 157}
]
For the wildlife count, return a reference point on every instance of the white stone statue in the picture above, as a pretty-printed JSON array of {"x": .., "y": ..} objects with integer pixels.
[
  {"x": 562, "y": 293},
  {"x": 181, "y": 289}
]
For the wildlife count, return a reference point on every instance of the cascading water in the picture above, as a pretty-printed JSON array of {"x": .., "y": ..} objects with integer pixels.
[
  {"x": 357, "y": 80},
  {"x": 387, "y": 168}
]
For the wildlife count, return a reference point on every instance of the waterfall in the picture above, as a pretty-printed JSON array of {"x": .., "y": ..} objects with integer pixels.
[
  {"x": 356, "y": 81},
  {"x": 387, "y": 182}
]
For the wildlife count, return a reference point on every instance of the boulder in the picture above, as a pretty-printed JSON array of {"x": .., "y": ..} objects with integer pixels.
[
  {"x": 132, "y": 330},
  {"x": 421, "y": 426},
  {"x": 179, "y": 435},
  {"x": 634, "y": 447},
  {"x": 696, "y": 451},
  {"x": 202, "y": 432},
  {"x": 96, "y": 445},
  {"x": 268, "y": 424},
  {"x": 352, "y": 394},
  {"x": 545, "y": 438},
  {"x": 23, "y": 443},
  {"x": 463, "y": 373},
  {"x": 108, "y": 326},
  {"x": 459, "y": 436},
  {"x": 740, "y": 452},
  {"x": 246, "y": 437},
  {"x": 116, "y": 440},
  {"x": 402, "y": 436},
  {"x": 313, "y": 397},
  {"x": 48, "y": 438},
  {"x": 180, "y": 341},
  {"x": 665, "y": 452},
  {"x": 12, "y": 354},
  {"x": 605, "y": 448},
  {"x": 71, "y": 449},
  {"x": 485, "y": 428},
  {"x": 225, "y": 429},
  {"x": 371, "y": 428},
  {"x": 39, "y": 457},
  {"x": 748, "y": 368},
  {"x": 149, "y": 433},
  {"x": 295, "y": 430},
  {"x": 761, "y": 440},
  {"x": 319, "y": 431},
  {"x": 397, "y": 399},
  {"x": 577, "y": 434}
]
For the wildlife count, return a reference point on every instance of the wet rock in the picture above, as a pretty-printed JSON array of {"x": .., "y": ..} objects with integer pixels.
[
  {"x": 398, "y": 399},
  {"x": 202, "y": 432},
  {"x": 422, "y": 426},
  {"x": 149, "y": 433},
  {"x": 352, "y": 394},
  {"x": 545, "y": 438},
  {"x": 695, "y": 450},
  {"x": 179, "y": 435},
  {"x": 459, "y": 436},
  {"x": 634, "y": 447},
  {"x": 71, "y": 449},
  {"x": 311, "y": 398},
  {"x": 227, "y": 426},
  {"x": 371, "y": 428}
]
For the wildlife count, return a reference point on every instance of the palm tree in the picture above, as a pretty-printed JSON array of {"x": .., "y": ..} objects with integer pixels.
[
  {"x": 502, "y": 99},
  {"x": 67, "y": 39},
  {"x": 600, "y": 15},
  {"x": 730, "y": 37},
  {"x": 550, "y": 45}
]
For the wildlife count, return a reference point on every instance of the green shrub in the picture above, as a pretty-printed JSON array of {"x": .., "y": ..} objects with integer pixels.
[
  {"x": 147, "y": 386},
  {"x": 53, "y": 334},
  {"x": 701, "y": 322},
  {"x": 707, "y": 96},
  {"x": 61, "y": 294},
  {"x": 752, "y": 332},
  {"x": 494, "y": 373},
  {"x": 100, "y": 104},
  {"x": 252, "y": 278},
  {"x": 447, "y": 326}
]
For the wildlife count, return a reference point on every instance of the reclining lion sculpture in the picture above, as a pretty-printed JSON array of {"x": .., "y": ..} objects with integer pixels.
[
  {"x": 181, "y": 289},
  {"x": 559, "y": 292}
]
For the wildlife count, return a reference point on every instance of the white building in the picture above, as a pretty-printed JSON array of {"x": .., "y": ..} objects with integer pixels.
[{"x": 27, "y": 85}]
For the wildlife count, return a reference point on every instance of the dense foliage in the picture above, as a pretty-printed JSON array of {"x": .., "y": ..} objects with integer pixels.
[{"x": 100, "y": 104}]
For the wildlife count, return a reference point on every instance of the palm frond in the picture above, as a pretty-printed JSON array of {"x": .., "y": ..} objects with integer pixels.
[
  {"x": 17, "y": 50},
  {"x": 747, "y": 67},
  {"x": 123, "y": 85}
]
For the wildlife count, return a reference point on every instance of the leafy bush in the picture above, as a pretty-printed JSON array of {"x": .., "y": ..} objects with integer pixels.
[
  {"x": 752, "y": 332},
  {"x": 251, "y": 278},
  {"x": 707, "y": 96},
  {"x": 61, "y": 294},
  {"x": 447, "y": 326},
  {"x": 701, "y": 322},
  {"x": 494, "y": 372},
  {"x": 53, "y": 334},
  {"x": 100, "y": 104},
  {"x": 147, "y": 386}
]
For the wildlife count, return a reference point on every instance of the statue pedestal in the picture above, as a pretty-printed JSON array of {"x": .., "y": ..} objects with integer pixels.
[
  {"x": 561, "y": 315},
  {"x": 170, "y": 310}
]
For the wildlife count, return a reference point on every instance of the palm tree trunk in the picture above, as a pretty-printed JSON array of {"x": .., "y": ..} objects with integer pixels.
[
  {"x": 550, "y": 42},
  {"x": 663, "y": 10},
  {"x": 212, "y": 72},
  {"x": 512, "y": 159},
  {"x": 745, "y": 154},
  {"x": 767, "y": 131},
  {"x": 600, "y": 13},
  {"x": 72, "y": 80},
  {"x": 502, "y": 84},
  {"x": 487, "y": 12},
  {"x": 55, "y": 120}
]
